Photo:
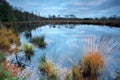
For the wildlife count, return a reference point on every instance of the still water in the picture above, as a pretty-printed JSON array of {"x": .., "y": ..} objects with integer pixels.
[{"x": 67, "y": 44}]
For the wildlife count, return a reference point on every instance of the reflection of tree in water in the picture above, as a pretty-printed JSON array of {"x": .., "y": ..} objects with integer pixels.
[{"x": 26, "y": 27}]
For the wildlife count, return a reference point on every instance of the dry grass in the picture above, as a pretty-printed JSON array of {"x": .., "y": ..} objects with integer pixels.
[
  {"x": 68, "y": 76},
  {"x": 93, "y": 62},
  {"x": 47, "y": 69},
  {"x": 76, "y": 75},
  {"x": 7, "y": 37}
]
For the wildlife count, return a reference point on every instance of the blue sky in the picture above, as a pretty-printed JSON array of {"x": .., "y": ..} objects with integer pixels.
[{"x": 80, "y": 8}]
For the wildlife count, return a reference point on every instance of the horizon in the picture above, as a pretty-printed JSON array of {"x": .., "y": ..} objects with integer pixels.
[{"x": 79, "y": 8}]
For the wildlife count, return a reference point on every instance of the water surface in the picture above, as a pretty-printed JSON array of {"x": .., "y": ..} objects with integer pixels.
[{"x": 67, "y": 44}]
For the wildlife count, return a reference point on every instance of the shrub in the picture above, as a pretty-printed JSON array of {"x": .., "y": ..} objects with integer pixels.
[
  {"x": 47, "y": 69},
  {"x": 39, "y": 41}
]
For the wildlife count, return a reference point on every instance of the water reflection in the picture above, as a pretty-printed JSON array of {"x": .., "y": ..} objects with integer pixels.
[{"x": 66, "y": 45}]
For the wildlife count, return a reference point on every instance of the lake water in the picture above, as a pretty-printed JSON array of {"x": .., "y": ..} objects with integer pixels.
[{"x": 67, "y": 44}]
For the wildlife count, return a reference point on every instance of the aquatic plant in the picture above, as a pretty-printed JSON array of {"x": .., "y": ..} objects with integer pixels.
[
  {"x": 39, "y": 41},
  {"x": 47, "y": 69},
  {"x": 28, "y": 49}
]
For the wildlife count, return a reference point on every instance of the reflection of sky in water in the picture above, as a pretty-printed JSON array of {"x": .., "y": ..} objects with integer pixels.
[{"x": 67, "y": 46}]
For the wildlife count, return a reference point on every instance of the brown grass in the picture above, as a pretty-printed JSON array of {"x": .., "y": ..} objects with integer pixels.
[
  {"x": 7, "y": 37},
  {"x": 93, "y": 62}
]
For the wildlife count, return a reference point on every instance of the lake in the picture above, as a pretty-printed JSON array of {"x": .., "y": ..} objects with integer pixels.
[{"x": 67, "y": 44}]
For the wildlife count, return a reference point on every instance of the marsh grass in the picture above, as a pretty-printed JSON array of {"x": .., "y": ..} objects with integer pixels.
[
  {"x": 47, "y": 69},
  {"x": 76, "y": 75},
  {"x": 7, "y": 37},
  {"x": 68, "y": 76},
  {"x": 93, "y": 62},
  {"x": 28, "y": 49},
  {"x": 88, "y": 69},
  {"x": 39, "y": 41}
]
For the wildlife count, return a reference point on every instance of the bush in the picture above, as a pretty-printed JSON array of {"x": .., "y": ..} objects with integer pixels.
[{"x": 39, "y": 41}]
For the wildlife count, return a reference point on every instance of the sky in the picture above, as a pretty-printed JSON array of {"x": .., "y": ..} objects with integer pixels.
[{"x": 79, "y": 8}]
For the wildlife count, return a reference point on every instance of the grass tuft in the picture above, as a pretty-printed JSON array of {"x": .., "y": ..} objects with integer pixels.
[
  {"x": 93, "y": 62},
  {"x": 39, "y": 41},
  {"x": 7, "y": 37},
  {"x": 47, "y": 69},
  {"x": 28, "y": 49}
]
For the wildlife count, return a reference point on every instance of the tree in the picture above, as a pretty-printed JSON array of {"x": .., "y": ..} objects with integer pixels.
[{"x": 6, "y": 11}]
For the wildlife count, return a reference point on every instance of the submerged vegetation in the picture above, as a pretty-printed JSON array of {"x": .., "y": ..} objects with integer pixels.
[
  {"x": 47, "y": 69},
  {"x": 39, "y": 41}
]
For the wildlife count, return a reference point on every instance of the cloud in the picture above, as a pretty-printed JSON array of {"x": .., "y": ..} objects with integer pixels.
[{"x": 80, "y": 8}]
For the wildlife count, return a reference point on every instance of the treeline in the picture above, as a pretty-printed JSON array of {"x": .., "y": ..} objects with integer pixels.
[
  {"x": 9, "y": 13},
  {"x": 73, "y": 17}
]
